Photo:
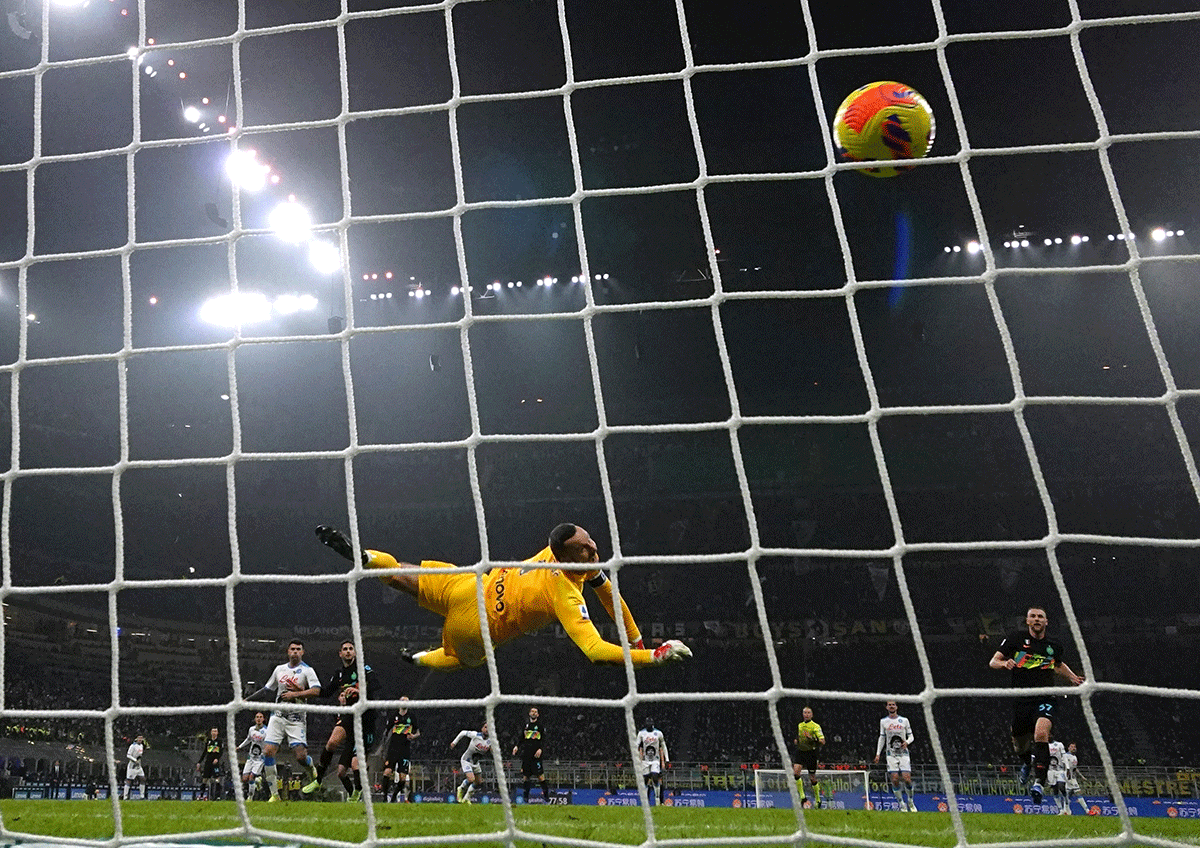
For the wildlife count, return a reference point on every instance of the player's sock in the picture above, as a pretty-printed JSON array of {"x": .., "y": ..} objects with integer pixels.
[
  {"x": 1041, "y": 761},
  {"x": 525, "y": 789},
  {"x": 126, "y": 795},
  {"x": 546, "y": 794},
  {"x": 323, "y": 763},
  {"x": 817, "y": 793},
  {"x": 1026, "y": 759},
  {"x": 347, "y": 783},
  {"x": 385, "y": 783},
  {"x": 1082, "y": 804},
  {"x": 356, "y": 780},
  {"x": 470, "y": 791},
  {"x": 899, "y": 793},
  {"x": 912, "y": 799},
  {"x": 272, "y": 775}
]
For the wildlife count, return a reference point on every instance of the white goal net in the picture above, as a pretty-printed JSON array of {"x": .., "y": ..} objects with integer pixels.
[{"x": 446, "y": 274}]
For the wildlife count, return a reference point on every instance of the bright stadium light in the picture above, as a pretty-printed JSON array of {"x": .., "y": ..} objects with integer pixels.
[
  {"x": 1076, "y": 239},
  {"x": 957, "y": 249},
  {"x": 1024, "y": 242},
  {"x": 1111, "y": 237},
  {"x": 454, "y": 290},
  {"x": 132, "y": 52},
  {"x": 287, "y": 304},
  {"x": 70, "y": 4},
  {"x": 229, "y": 310},
  {"x": 191, "y": 114},
  {"x": 973, "y": 247},
  {"x": 1158, "y": 234},
  {"x": 1047, "y": 242},
  {"x": 290, "y": 221},
  {"x": 325, "y": 257},
  {"x": 1058, "y": 240},
  {"x": 946, "y": 249},
  {"x": 246, "y": 171}
]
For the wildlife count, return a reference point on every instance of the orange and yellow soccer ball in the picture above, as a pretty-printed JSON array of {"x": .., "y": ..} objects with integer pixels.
[{"x": 883, "y": 120}]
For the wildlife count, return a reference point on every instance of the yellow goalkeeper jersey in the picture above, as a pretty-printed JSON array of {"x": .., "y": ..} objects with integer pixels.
[{"x": 522, "y": 600}]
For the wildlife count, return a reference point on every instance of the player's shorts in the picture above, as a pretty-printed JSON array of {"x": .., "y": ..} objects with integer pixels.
[
  {"x": 210, "y": 771},
  {"x": 134, "y": 771},
  {"x": 807, "y": 760},
  {"x": 651, "y": 767},
  {"x": 452, "y": 595},
  {"x": 1055, "y": 777},
  {"x": 1027, "y": 711},
  {"x": 468, "y": 767},
  {"x": 1072, "y": 785},
  {"x": 398, "y": 765},
  {"x": 349, "y": 752},
  {"x": 290, "y": 726},
  {"x": 531, "y": 767},
  {"x": 899, "y": 762},
  {"x": 254, "y": 765}
]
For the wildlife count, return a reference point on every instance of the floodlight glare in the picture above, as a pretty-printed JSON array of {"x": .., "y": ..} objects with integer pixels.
[
  {"x": 70, "y": 4},
  {"x": 308, "y": 302},
  {"x": 191, "y": 114},
  {"x": 1048, "y": 242},
  {"x": 957, "y": 249},
  {"x": 1058, "y": 241},
  {"x": 454, "y": 290},
  {"x": 286, "y": 304},
  {"x": 229, "y": 310},
  {"x": 132, "y": 52},
  {"x": 1076, "y": 239},
  {"x": 1111, "y": 237},
  {"x": 1024, "y": 242},
  {"x": 325, "y": 257},
  {"x": 1158, "y": 234},
  {"x": 245, "y": 170},
  {"x": 946, "y": 248},
  {"x": 973, "y": 247},
  {"x": 290, "y": 221}
]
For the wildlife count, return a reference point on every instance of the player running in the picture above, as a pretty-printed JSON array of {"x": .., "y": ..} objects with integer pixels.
[
  {"x": 291, "y": 682},
  {"x": 1034, "y": 660},
  {"x": 518, "y": 601},
  {"x": 1071, "y": 769},
  {"x": 652, "y": 748},
  {"x": 397, "y": 764},
  {"x": 895, "y": 735},
  {"x": 477, "y": 744},
  {"x": 253, "y": 745}
]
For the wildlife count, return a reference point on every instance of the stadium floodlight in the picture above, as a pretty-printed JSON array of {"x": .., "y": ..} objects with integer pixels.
[
  {"x": 957, "y": 249},
  {"x": 1047, "y": 242},
  {"x": 605, "y": 277},
  {"x": 973, "y": 247},
  {"x": 290, "y": 221},
  {"x": 1179, "y": 232},
  {"x": 1058, "y": 240},
  {"x": 308, "y": 302},
  {"x": 325, "y": 256},
  {"x": 1024, "y": 242},
  {"x": 132, "y": 52},
  {"x": 576, "y": 279},
  {"x": 946, "y": 249},
  {"x": 1076, "y": 239},
  {"x": 454, "y": 290},
  {"x": 1158, "y": 234},
  {"x": 70, "y": 4},
  {"x": 230, "y": 310},
  {"x": 287, "y": 304},
  {"x": 1111, "y": 237},
  {"x": 246, "y": 171},
  {"x": 149, "y": 70},
  {"x": 191, "y": 114},
  {"x": 420, "y": 293}
]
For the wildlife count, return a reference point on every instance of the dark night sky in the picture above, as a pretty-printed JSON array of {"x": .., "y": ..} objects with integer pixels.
[{"x": 928, "y": 345}]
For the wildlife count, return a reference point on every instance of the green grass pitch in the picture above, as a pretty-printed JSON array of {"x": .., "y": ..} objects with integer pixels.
[{"x": 298, "y": 822}]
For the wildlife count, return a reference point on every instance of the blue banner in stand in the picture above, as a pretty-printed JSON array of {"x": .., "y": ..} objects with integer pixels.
[{"x": 1186, "y": 808}]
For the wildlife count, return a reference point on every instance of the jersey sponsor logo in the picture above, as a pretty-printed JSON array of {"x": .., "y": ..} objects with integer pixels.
[
  {"x": 1025, "y": 659},
  {"x": 583, "y": 612},
  {"x": 499, "y": 607}
]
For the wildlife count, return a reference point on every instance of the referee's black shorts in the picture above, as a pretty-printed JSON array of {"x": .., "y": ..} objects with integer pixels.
[
  {"x": 1027, "y": 711},
  {"x": 531, "y": 767},
  {"x": 806, "y": 760}
]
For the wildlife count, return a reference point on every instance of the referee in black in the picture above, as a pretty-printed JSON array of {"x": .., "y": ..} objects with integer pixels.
[
  {"x": 1034, "y": 661},
  {"x": 530, "y": 747}
]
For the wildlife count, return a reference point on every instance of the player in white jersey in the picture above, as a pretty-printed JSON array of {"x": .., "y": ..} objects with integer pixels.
[
  {"x": 133, "y": 765},
  {"x": 652, "y": 748},
  {"x": 895, "y": 735},
  {"x": 291, "y": 683},
  {"x": 253, "y": 744},
  {"x": 1056, "y": 777},
  {"x": 1070, "y": 763},
  {"x": 477, "y": 744}
]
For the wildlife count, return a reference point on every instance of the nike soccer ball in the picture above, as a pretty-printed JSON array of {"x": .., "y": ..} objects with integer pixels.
[{"x": 883, "y": 120}]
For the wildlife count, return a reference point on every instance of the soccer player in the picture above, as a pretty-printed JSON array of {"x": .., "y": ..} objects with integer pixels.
[
  {"x": 209, "y": 764},
  {"x": 895, "y": 734},
  {"x": 397, "y": 764},
  {"x": 1034, "y": 660},
  {"x": 290, "y": 682},
  {"x": 477, "y": 743},
  {"x": 1056, "y": 778},
  {"x": 809, "y": 740},
  {"x": 652, "y": 748},
  {"x": 530, "y": 746},
  {"x": 1071, "y": 768},
  {"x": 133, "y": 765},
  {"x": 253, "y": 744},
  {"x": 344, "y": 684},
  {"x": 518, "y": 601}
]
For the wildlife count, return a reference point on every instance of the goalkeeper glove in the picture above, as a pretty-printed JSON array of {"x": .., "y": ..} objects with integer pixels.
[
  {"x": 670, "y": 651},
  {"x": 638, "y": 645},
  {"x": 338, "y": 542}
]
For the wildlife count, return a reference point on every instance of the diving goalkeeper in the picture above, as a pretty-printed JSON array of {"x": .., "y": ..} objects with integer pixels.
[{"x": 518, "y": 601}]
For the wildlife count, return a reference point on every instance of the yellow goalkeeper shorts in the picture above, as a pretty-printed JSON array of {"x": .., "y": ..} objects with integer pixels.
[{"x": 452, "y": 595}]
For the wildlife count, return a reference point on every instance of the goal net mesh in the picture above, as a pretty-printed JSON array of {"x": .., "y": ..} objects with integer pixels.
[{"x": 844, "y": 471}]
